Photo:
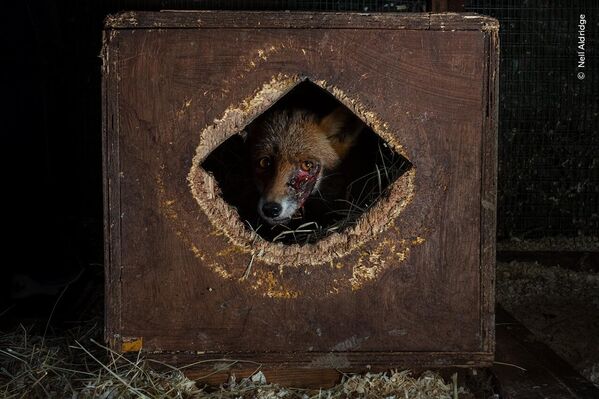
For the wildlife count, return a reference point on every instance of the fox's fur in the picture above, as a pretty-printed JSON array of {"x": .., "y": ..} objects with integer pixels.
[{"x": 290, "y": 152}]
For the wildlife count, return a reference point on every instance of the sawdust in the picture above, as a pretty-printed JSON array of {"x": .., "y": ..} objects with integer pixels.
[
  {"x": 127, "y": 18},
  {"x": 271, "y": 286}
]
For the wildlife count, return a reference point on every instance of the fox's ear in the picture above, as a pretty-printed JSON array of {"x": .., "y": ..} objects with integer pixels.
[
  {"x": 250, "y": 130},
  {"x": 332, "y": 124},
  {"x": 342, "y": 129}
]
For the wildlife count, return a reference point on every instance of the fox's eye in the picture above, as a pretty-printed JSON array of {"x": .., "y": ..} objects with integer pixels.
[
  {"x": 264, "y": 162},
  {"x": 307, "y": 166}
]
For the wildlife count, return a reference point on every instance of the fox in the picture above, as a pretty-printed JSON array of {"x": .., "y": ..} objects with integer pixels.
[{"x": 291, "y": 151}]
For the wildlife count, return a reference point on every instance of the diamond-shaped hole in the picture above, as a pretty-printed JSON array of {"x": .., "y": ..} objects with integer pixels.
[{"x": 345, "y": 193}]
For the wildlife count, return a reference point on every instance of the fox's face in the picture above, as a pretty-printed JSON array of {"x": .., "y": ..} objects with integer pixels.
[{"x": 289, "y": 151}]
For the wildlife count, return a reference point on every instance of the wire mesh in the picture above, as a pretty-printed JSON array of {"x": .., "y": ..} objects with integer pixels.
[{"x": 548, "y": 144}]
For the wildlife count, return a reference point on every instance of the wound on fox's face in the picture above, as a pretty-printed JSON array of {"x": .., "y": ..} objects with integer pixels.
[
  {"x": 290, "y": 150},
  {"x": 303, "y": 182}
]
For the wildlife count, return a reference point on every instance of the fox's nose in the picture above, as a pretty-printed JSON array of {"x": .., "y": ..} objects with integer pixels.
[{"x": 272, "y": 209}]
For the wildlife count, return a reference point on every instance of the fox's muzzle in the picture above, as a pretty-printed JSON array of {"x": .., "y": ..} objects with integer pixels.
[{"x": 298, "y": 188}]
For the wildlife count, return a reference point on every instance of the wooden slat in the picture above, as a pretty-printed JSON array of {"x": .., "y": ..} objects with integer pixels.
[
  {"x": 358, "y": 361},
  {"x": 112, "y": 186},
  {"x": 297, "y": 20},
  {"x": 305, "y": 378},
  {"x": 574, "y": 260},
  {"x": 488, "y": 209},
  {"x": 297, "y": 378},
  {"x": 527, "y": 368}
]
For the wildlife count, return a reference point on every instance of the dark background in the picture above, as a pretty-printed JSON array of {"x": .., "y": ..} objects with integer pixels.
[{"x": 548, "y": 138}]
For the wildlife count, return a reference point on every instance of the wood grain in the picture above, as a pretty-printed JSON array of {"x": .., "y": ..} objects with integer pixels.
[
  {"x": 111, "y": 172},
  {"x": 488, "y": 223},
  {"x": 433, "y": 305}
]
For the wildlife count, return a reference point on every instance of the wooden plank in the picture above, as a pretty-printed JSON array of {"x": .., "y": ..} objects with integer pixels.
[
  {"x": 305, "y": 378},
  {"x": 297, "y": 378},
  {"x": 462, "y": 21},
  {"x": 488, "y": 209},
  {"x": 526, "y": 368},
  {"x": 112, "y": 186},
  {"x": 297, "y": 20},
  {"x": 574, "y": 260},
  {"x": 345, "y": 360}
]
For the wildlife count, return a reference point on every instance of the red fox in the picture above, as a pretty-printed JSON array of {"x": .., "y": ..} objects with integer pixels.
[{"x": 290, "y": 152}]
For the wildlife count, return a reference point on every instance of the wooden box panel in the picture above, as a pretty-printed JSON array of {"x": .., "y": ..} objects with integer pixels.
[{"x": 412, "y": 286}]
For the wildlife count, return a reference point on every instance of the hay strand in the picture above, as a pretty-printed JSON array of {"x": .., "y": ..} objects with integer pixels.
[{"x": 76, "y": 365}]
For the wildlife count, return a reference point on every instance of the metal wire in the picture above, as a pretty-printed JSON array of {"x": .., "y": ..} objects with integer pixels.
[{"x": 548, "y": 144}]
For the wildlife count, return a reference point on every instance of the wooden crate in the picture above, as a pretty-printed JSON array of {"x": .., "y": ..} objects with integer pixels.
[{"x": 410, "y": 286}]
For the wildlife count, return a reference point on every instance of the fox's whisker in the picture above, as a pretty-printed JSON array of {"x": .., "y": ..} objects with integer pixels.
[
  {"x": 292, "y": 232},
  {"x": 383, "y": 160},
  {"x": 307, "y": 224}
]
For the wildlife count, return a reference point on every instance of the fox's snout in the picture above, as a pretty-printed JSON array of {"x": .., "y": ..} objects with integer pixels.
[
  {"x": 284, "y": 187},
  {"x": 289, "y": 151},
  {"x": 275, "y": 212},
  {"x": 271, "y": 209}
]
